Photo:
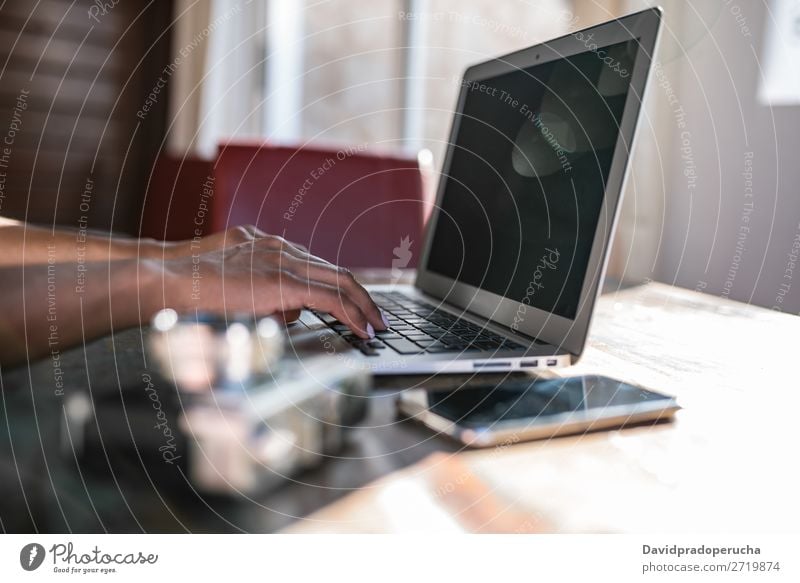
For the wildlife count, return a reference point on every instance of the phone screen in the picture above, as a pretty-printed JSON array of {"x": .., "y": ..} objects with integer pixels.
[{"x": 535, "y": 400}]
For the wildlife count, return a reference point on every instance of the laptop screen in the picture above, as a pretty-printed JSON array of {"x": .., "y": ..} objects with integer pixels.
[{"x": 527, "y": 176}]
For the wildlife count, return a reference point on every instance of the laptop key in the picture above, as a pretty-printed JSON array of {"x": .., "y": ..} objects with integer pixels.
[
  {"x": 404, "y": 346},
  {"x": 364, "y": 347},
  {"x": 457, "y": 347},
  {"x": 438, "y": 347},
  {"x": 430, "y": 328},
  {"x": 327, "y": 318},
  {"x": 403, "y": 330},
  {"x": 440, "y": 318},
  {"x": 387, "y": 334},
  {"x": 423, "y": 313}
]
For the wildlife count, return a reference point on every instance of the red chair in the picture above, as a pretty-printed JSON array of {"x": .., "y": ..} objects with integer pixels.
[
  {"x": 347, "y": 205},
  {"x": 179, "y": 198}
]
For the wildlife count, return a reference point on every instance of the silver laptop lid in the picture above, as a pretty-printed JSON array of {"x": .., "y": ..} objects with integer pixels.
[{"x": 532, "y": 179}]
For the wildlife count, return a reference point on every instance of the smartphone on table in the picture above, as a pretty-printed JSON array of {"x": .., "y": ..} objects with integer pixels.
[{"x": 538, "y": 408}]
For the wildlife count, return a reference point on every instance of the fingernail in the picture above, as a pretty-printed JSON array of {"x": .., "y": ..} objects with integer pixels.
[
  {"x": 385, "y": 319},
  {"x": 370, "y": 330}
]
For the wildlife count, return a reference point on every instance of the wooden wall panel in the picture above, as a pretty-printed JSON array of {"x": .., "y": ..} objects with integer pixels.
[{"x": 70, "y": 88}]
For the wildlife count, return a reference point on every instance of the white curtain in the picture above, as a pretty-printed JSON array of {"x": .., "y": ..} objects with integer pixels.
[
  {"x": 217, "y": 79},
  {"x": 781, "y": 82}
]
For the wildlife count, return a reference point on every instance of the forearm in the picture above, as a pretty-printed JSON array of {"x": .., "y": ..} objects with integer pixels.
[
  {"x": 52, "y": 307},
  {"x": 24, "y": 243}
]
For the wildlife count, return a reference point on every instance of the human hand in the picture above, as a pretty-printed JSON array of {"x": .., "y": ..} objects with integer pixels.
[{"x": 268, "y": 275}]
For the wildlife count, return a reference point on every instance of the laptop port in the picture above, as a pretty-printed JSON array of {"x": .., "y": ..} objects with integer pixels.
[
  {"x": 491, "y": 364},
  {"x": 529, "y": 364},
  {"x": 552, "y": 361}
]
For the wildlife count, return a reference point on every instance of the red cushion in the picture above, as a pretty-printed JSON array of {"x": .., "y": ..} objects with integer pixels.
[{"x": 349, "y": 206}]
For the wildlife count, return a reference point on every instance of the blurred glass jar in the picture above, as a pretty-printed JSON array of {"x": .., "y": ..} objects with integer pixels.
[
  {"x": 200, "y": 352},
  {"x": 253, "y": 413}
]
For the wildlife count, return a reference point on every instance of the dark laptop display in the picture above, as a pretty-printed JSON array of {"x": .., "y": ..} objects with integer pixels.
[{"x": 532, "y": 155}]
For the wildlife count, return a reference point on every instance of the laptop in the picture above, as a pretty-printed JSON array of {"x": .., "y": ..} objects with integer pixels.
[{"x": 516, "y": 247}]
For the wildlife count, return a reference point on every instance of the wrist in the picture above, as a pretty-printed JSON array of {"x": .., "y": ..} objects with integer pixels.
[
  {"x": 135, "y": 290},
  {"x": 156, "y": 285},
  {"x": 154, "y": 249},
  {"x": 169, "y": 283}
]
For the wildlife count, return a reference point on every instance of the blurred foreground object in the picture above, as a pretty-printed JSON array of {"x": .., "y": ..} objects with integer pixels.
[{"x": 250, "y": 410}]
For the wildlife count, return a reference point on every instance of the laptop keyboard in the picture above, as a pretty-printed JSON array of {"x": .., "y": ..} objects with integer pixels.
[{"x": 417, "y": 327}]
